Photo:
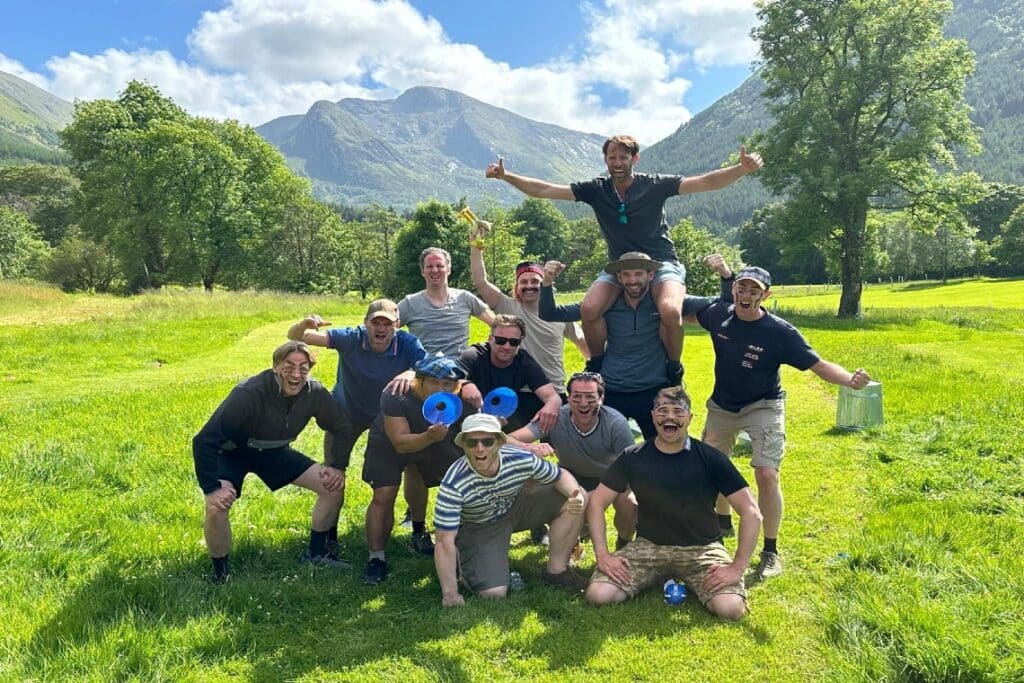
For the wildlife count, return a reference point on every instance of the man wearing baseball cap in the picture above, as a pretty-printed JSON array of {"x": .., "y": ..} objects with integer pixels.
[
  {"x": 751, "y": 345},
  {"x": 489, "y": 493},
  {"x": 371, "y": 357}
]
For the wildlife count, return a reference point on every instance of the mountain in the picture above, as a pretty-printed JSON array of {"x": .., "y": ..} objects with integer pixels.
[
  {"x": 994, "y": 30},
  {"x": 428, "y": 142},
  {"x": 29, "y": 120}
]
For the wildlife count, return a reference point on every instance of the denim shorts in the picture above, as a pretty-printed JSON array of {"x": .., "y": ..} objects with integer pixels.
[{"x": 673, "y": 271}]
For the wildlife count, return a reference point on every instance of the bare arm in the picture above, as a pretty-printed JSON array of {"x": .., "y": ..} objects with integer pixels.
[
  {"x": 484, "y": 287},
  {"x": 547, "y": 415},
  {"x": 541, "y": 189},
  {"x": 308, "y": 330},
  {"x": 722, "y": 575},
  {"x": 445, "y": 558},
  {"x": 722, "y": 177},
  {"x": 404, "y": 441},
  {"x": 615, "y": 568},
  {"x": 837, "y": 374}
]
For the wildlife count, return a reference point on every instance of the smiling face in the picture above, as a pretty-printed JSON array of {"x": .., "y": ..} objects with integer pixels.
[
  {"x": 585, "y": 401},
  {"x": 425, "y": 386},
  {"x": 482, "y": 458},
  {"x": 505, "y": 343},
  {"x": 671, "y": 420},
  {"x": 435, "y": 270},
  {"x": 749, "y": 295},
  {"x": 381, "y": 331},
  {"x": 635, "y": 282},
  {"x": 528, "y": 287},
  {"x": 293, "y": 372},
  {"x": 620, "y": 163}
]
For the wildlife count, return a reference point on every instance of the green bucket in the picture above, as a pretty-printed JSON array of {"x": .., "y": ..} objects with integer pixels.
[{"x": 860, "y": 408}]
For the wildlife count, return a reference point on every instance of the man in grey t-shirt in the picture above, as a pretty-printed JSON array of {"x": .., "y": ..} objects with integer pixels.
[
  {"x": 439, "y": 315},
  {"x": 587, "y": 438}
]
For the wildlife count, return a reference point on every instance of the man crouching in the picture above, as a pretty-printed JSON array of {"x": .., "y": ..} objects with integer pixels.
[{"x": 491, "y": 492}]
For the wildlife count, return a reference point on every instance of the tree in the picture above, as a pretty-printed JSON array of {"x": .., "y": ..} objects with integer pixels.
[
  {"x": 992, "y": 210},
  {"x": 1009, "y": 246},
  {"x": 373, "y": 236},
  {"x": 45, "y": 193},
  {"x": 692, "y": 245},
  {"x": 504, "y": 248},
  {"x": 433, "y": 224},
  {"x": 23, "y": 252},
  {"x": 868, "y": 98},
  {"x": 586, "y": 254},
  {"x": 79, "y": 264},
  {"x": 544, "y": 229}
]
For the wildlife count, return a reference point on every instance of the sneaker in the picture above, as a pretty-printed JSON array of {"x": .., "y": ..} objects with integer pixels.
[
  {"x": 728, "y": 532},
  {"x": 327, "y": 561},
  {"x": 407, "y": 520},
  {"x": 771, "y": 565},
  {"x": 422, "y": 543},
  {"x": 376, "y": 572},
  {"x": 515, "y": 581},
  {"x": 567, "y": 579},
  {"x": 539, "y": 535}
]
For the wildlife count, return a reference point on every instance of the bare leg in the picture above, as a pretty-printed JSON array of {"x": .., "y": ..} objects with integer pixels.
[
  {"x": 380, "y": 517},
  {"x": 625, "y": 514},
  {"x": 564, "y": 532},
  {"x": 496, "y": 593},
  {"x": 598, "y": 299},
  {"x": 217, "y": 530},
  {"x": 728, "y": 606},
  {"x": 415, "y": 492},
  {"x": 668, "y": 297},
  {"x": 328, "y": 503},
  {"x": 604, "y": 593},
  {"x": 769, "y": 499}
]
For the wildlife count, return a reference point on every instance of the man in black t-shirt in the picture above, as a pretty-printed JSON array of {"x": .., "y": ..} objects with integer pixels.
[
  {"x": 675, "y": 480},
  {"x": 751, "y": 345},
  {"x": 502, "y": 362}
]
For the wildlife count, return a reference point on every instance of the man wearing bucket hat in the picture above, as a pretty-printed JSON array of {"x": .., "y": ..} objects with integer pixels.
[
  {"x": 400, "y": 439},
  {"x": 491, "y": 492},
  {"x": 371, "y": 357},
  {"x": 630, "y": 209},
  {"x": 751, "y": 345}
]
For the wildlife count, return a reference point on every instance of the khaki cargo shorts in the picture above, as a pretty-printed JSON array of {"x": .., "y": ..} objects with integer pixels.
[{"x": 764, "y": 421}]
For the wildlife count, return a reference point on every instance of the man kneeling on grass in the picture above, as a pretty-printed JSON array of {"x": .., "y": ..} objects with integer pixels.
[
  {"x": 252, "y": 431},
  {"x": 676, "y": 480},
  {"x": 491, "y": 492}
]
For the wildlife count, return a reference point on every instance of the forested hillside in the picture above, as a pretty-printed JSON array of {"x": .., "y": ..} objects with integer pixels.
[{"x": 29, "y": 120}]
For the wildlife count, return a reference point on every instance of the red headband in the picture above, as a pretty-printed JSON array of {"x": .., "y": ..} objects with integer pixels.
[{"x": 530, "y": 268}]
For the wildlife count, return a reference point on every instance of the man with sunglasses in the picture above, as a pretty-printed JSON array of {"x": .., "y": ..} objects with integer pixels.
[
  {"x": 587, "y": 437},
  {"x": 502, "y": 362},
  {"x": 630, "y": 209},
  {"x": 252, "y": 431},
  {"x": 488, "y": 494},
  {"x": 544, "y": 340}
]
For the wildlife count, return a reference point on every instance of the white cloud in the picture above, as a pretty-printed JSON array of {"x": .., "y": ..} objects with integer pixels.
[
  {"x": 257, "y": 59},
  {"x": 16, "y": 68}
]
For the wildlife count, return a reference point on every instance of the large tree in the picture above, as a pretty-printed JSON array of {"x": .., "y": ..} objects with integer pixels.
[{"x": 868, "y": 98}]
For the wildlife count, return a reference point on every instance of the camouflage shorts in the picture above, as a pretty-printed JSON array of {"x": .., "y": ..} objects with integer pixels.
[{"x": 651, "y": 564}]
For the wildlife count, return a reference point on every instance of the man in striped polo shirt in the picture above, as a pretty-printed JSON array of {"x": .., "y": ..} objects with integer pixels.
[{"x": 491, "y": 492}]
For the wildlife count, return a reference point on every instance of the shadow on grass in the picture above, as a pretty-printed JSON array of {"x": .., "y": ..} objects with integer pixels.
[{"x": 285, "y": 620}]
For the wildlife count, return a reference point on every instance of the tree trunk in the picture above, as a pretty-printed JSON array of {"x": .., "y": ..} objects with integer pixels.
[{"x": 852, "y": 256}]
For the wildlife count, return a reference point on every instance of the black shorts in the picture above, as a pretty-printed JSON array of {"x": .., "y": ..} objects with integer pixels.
[
  {"x": 383, "y": 465},
  {"x": 588, "y": 483},
  {"x": 637, "y": 405},
  {"x": 347, "y": 438},
  {"x": 277, "y": 467}
]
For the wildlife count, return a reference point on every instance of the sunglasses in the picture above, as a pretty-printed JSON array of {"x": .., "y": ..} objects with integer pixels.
[
  {"x": 591, "y": 376},
  {"x": 623, "y": 218},
  {"x": 511, "y": 341},
  {"x": 470, "y": 442}
]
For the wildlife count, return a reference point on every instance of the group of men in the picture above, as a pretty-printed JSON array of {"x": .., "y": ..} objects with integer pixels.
[{"x": 672, "y": 494}]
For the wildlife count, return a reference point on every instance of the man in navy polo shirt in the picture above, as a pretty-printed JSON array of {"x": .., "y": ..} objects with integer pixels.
[
  {"x": 371, "y": 357},
  {"x": 751, "y": 345}
]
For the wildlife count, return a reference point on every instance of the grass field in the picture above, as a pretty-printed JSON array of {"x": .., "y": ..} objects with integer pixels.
[{"x": 903, "y": 544}]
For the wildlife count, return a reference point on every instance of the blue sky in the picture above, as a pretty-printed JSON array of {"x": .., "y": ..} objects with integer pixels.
[{"x": 601, "y": 66}]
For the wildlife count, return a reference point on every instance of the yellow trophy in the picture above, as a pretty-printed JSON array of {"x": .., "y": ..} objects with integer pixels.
[{"x": 476, "y": 227}]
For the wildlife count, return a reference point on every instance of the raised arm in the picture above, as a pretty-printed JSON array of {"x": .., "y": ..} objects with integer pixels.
[
  {"x": 722, "y": 177},
  {"x": 541, "y": 189},
  {"x": 308, "y": 330},
  {"x": 546, "y": 308},
  {"x": 484, "y": 287}
]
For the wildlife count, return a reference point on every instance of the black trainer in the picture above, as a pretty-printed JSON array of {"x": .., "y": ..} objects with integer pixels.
[
  {"x": 539, "y": 535},
  {"x": 376, "y": 572},
  {"x": 327, "y": 561},
  {"x": 422, "y": 543}
]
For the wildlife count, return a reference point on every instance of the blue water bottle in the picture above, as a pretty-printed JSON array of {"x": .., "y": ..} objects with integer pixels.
[{"x": 675, "y": 593}]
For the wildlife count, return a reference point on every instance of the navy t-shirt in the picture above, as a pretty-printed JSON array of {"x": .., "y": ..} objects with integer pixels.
[
  {"x": 646, "y": 228},
  {"x": 675, "y": 492},
  {"x": 748, "y": 355},
  {"x": 363, "y": 373}
]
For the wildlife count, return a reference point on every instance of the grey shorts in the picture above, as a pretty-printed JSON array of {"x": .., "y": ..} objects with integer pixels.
[
  {"x": 483, "y": 548},
  {"x": 670, "y": 271},
  {"x": 764, "y": 421}
]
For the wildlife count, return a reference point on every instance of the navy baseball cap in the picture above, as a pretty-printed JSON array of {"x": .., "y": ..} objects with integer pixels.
[{"x": 759, "y": 275}]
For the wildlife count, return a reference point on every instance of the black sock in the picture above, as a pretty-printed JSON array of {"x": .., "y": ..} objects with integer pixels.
[
  {"x": 419, "y": 527},
  {"x": 220, "y": 567},
  {"x": 725, "y": 521},
  {"x": 769, "y": 545},
  {"x": 332, "y": 535},
  {"x": 318, "y": 543}
]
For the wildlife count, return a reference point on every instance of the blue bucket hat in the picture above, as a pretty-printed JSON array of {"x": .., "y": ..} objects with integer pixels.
[{"x": 440, "y": 367}]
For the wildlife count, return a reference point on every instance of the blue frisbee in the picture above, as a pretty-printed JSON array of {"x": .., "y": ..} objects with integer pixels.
[
  {"x": 500, "y": 402},
  {"x": 442, "y": 407}
]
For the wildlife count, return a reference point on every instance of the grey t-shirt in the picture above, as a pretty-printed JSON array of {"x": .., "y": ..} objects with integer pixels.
[
  {"x": 590, "y": 455},
  {"x": 543, "y": 339},
  {"x": 441, "y": 329}
]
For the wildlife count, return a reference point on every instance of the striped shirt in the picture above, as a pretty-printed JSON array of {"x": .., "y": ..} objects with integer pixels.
[{"x": 466, "y": 496}]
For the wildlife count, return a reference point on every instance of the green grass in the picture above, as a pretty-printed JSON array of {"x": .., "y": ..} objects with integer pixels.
[{"x": 903, "y": 544}]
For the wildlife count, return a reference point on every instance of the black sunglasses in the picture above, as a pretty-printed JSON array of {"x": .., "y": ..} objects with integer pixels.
[
  {"x": 470, "y": 442},
  {"x": 623, "y": 218},
  {"x": 511, "y": 341}
]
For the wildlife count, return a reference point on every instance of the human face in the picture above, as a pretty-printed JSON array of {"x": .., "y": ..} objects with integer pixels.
[
  {"x": 748, "y": 296},
  {"x": 435, "y": 271},
  {"x": 432, "y": 385},
  {"x": 528, "y": 287},
  {"x": 482, "y": 458},
  {"x": 635, "y": 282},
  {"x": 502, "y": 355},
  {"x": 671, "y": 420},
  {"x": 293, "y": 372},
  {"x": 620, "y": 163},
  {"x": 381, "y": 331},
  {"x": 584, "y": 402}
]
